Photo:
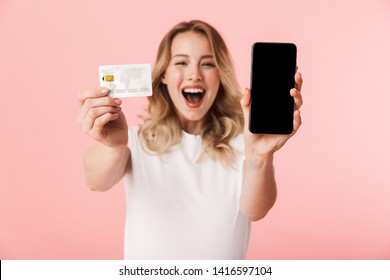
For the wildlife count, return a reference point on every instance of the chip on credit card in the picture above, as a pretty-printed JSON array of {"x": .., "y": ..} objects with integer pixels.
[{"x": 126, "y": 80}]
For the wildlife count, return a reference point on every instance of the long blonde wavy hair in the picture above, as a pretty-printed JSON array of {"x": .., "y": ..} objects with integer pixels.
[{"x": 224, "y": 121}]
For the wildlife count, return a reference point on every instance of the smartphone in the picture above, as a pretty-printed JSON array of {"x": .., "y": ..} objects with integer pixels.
[{"x": 272, "y": 78}]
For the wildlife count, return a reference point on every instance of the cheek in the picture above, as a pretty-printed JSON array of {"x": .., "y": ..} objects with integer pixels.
[
  {"x": 215, "y": 81},
  {"x": 173, "y": 76},
  {"x": 213, "y": 77},
  {"x": 172, "y": 80}
]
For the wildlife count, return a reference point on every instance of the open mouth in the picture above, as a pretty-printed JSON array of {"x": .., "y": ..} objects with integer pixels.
[{"x": 193, "y": 95}]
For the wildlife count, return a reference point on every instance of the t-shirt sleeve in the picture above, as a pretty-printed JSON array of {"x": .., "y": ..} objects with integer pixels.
[
  {"x": 133, "y": 142},
  {"x": 238, "y": 143}
]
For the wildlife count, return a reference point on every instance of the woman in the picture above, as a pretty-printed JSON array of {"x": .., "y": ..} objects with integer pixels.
[{"x": 195, "y": 177}]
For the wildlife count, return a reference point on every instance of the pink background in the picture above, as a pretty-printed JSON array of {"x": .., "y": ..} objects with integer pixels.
[{"x": 333, "y": 177}]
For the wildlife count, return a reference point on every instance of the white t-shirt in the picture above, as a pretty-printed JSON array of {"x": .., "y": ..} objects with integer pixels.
[{"x": 180, "y": 209}]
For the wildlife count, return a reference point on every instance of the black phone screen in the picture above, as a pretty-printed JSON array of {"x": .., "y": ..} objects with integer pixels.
[{"x": 272, "y": 78}]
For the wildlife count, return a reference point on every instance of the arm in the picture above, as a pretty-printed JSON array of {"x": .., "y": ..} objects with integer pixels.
[
  {"x": 259, "y": 188},
  {"x": 259, "y": 185},
  {"x": 105, "y": 166},
  {"x": 101, "y": 118}
]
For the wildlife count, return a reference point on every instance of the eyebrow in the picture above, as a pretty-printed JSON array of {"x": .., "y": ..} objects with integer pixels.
[{"x": 186, "y": 55}]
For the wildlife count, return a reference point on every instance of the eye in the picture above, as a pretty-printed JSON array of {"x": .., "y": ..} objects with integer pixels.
[
  {"x": 180, "y": 63},
  {"x": 208, "y": 64}
]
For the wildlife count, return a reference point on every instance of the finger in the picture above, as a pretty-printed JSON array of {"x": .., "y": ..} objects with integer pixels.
[
  {"x": 93, "y": 93},
  {"x": 245, "y": 100},
  {"x": 94, "y": 113},
  {"x": 298, "y": 81},
  {"x": 98, "y": 102},
  {"x": 245, "y": 104},
  {"x": 297, "y": 122},
  {"x": 97, "y": 131},
  {"x": 298, "y": 101}
]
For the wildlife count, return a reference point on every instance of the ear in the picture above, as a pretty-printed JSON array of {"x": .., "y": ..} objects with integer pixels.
[{"x": 163, "y": 79}]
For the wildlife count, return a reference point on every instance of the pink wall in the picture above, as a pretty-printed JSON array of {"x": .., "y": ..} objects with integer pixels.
[{"x": 333, "y": 177}]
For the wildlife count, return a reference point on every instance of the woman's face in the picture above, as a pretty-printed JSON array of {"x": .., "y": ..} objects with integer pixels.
[{"x": 192, "y": 79}]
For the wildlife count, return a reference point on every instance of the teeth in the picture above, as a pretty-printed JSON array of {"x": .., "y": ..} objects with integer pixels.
[{"x": 193, "y": 90}]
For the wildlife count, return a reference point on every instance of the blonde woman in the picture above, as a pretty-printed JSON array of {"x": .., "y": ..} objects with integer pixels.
[{"x": 195, "y": 177}]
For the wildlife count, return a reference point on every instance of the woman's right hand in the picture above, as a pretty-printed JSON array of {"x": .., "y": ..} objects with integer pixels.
[{"x": 101, "y": 117}]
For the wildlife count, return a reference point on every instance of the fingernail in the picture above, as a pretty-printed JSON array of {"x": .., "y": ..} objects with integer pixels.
[
  {"x": 104, "y": 91},
  {"x": 118, "y": 101}
]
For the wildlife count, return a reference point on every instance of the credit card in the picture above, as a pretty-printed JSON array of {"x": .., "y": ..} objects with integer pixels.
[{"x": 126, "y": 80}]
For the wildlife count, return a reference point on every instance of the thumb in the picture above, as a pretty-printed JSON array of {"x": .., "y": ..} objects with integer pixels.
[{"x": 245, "y": 104}]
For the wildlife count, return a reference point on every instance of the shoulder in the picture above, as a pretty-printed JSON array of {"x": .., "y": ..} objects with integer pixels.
[
  {"x": 133, "y": 130},
  {"x": 134, "y": 141},
  {"x": 238, "y": 143},
  {"x": 133, "y": 133}
]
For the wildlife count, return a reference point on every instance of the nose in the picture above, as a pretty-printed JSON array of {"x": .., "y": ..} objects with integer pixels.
[{"x": 194, "y": 73}]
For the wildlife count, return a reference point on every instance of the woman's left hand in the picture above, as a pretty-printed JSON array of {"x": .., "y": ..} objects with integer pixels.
[{"x": 259, "y": 146}]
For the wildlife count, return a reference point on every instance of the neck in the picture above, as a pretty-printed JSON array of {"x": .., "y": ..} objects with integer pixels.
[{"x": 191, "y": 127}]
